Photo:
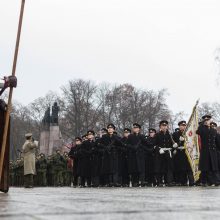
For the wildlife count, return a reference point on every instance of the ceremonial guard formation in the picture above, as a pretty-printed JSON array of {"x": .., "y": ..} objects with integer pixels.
[{"x": 108, "y": 160}]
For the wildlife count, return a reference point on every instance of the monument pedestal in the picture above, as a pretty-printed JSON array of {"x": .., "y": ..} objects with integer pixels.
[
  {"x": 50, "y": 140},
  {"x": 44, "y": 142},
  {"x": 55, "y": 141}
]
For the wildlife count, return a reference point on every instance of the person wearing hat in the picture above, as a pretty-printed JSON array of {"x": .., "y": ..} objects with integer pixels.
[
  {"x": 85, "y": 159},
  {"x": 136, "y": 156},
  {"x": 29, "y": 151},
  {"x": 74, "y": 155},
  {"x": 215, "y": 126},
  {"x": 150, "y": 144},
  {"x": 208, "y": 161},
  {"x": 163, "y": 155},
  {"x": 182, "y": 170},
  {"x": 96, "y": 160},
  {"x": 104, "y": 131},
  {"x": 123, "y": 158},
  {"x": 110, "y": 145},
  {"x": 41, "y": 167},
  {"x": 59, "y": 166},
  {"x": 84, "y": 137}
]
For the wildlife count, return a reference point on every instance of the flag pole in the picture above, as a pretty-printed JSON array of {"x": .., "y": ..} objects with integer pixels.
[{"x": 9, "y": 107}]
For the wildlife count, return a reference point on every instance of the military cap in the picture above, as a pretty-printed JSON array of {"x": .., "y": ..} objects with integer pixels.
[
  {"x": 90, "y": 132},
  {"x": 28, "y": 135},
  {"x": 182, "y": 123},
  {"x": 206, "y": 117},
  {"x": 136, "y": 125},
  {"x": 151, "y": 130},
  {"x": 104, "y": 130},
  {"x": 127, "y": 130},
  {"x": 111, "y": 126},
  {"x": 78, "y": 139},
  {"x": 164, "y": 122},
  {"x": 213, "y": 124},
  {"x": 84, "y": 136}
]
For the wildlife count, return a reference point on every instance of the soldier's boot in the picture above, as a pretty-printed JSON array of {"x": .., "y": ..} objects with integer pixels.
[
  {"x": 44, "y": 179},
  {"x": 95, "y": 181},
  {"x": 142, "y": 180},
  {"x": 191, "y": 178},
  {"x": 31, "y": 181},
  {"x": 26, "y": 181}
]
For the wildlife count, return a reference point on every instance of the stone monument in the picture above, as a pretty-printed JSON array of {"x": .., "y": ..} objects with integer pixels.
[{"x": 50, "y": 137}]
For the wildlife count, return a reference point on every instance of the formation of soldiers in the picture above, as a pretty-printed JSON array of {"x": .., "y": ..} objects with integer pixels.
[
  {"x": 136, "y": 160},
  {"x": 54, "y": 170},
  {"x": 158, "y": 159}
]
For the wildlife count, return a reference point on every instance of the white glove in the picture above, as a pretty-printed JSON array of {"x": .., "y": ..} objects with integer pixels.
[
  {"x": 175, "y": 145},
  {"x": 182, "y": 138},
  {"x": 161, "y": 151}
]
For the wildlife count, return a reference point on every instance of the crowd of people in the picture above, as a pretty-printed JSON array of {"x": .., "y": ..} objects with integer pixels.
[
  {"x": 54, "y": 170},
  {"x": 158, "y": 159}
]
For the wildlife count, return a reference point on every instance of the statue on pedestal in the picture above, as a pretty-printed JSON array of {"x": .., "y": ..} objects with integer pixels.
[{"x": 55, "y": 111}]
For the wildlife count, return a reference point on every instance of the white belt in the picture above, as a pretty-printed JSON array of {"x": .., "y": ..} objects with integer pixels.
[
  {"x": 168, "y": 149},
  {"x": 181, "y": 148}
]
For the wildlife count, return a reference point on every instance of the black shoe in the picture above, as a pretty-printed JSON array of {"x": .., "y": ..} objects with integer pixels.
[
  {"x": 117, "y": 185},
  {"x": 135, "y": 185}
]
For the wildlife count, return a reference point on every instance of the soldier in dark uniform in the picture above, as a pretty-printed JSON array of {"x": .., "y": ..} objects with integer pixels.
[
  {"x": 208, "y": 162},
  {"x": 86, "y": 153},
  {"x": 73, "y": 154},
  {"x": 123, "y": 164},
  {"x": 110, "y": 143},
  {"x": 163, "y": 155},
  {"x": 182, "y": 170},
  {"x": 84, "y": 137},
  {"x": 104, "y": 131},
  {"x": 96, "y": 160},
  {"x": 150, "y": 143},
  {"x": 214, "y": 125},
  {"x": 136, "y": 156}
]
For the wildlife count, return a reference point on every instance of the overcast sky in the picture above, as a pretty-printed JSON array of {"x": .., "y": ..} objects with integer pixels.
[{"x": 152, "y": 44}]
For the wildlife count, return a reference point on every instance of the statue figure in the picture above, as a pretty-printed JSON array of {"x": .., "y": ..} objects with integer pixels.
[{"x": 55, "y": 111}]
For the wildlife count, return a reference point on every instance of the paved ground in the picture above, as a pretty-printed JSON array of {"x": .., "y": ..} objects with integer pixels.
[{"x": 115, "y": 203}]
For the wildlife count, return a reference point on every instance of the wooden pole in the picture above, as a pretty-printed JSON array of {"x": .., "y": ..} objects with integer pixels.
[{"x": 8, "y": 111}]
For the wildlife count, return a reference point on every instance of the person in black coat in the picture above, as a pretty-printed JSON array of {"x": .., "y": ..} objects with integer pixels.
[
  {"x": 208, "y": 161},
  {"x": 111, "y": 144},
  {"x": 73, "y": 154},
  {"x": 86, "y": 154},
  {"x": 136, "y": 156},
  {"x": 182, "y": 170},
  {"x": 214, "y": 126},
  {"x": 163, "y": 166},
  {"x": 123, "y": 163},
  {"x": 150, "y": 149}
]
